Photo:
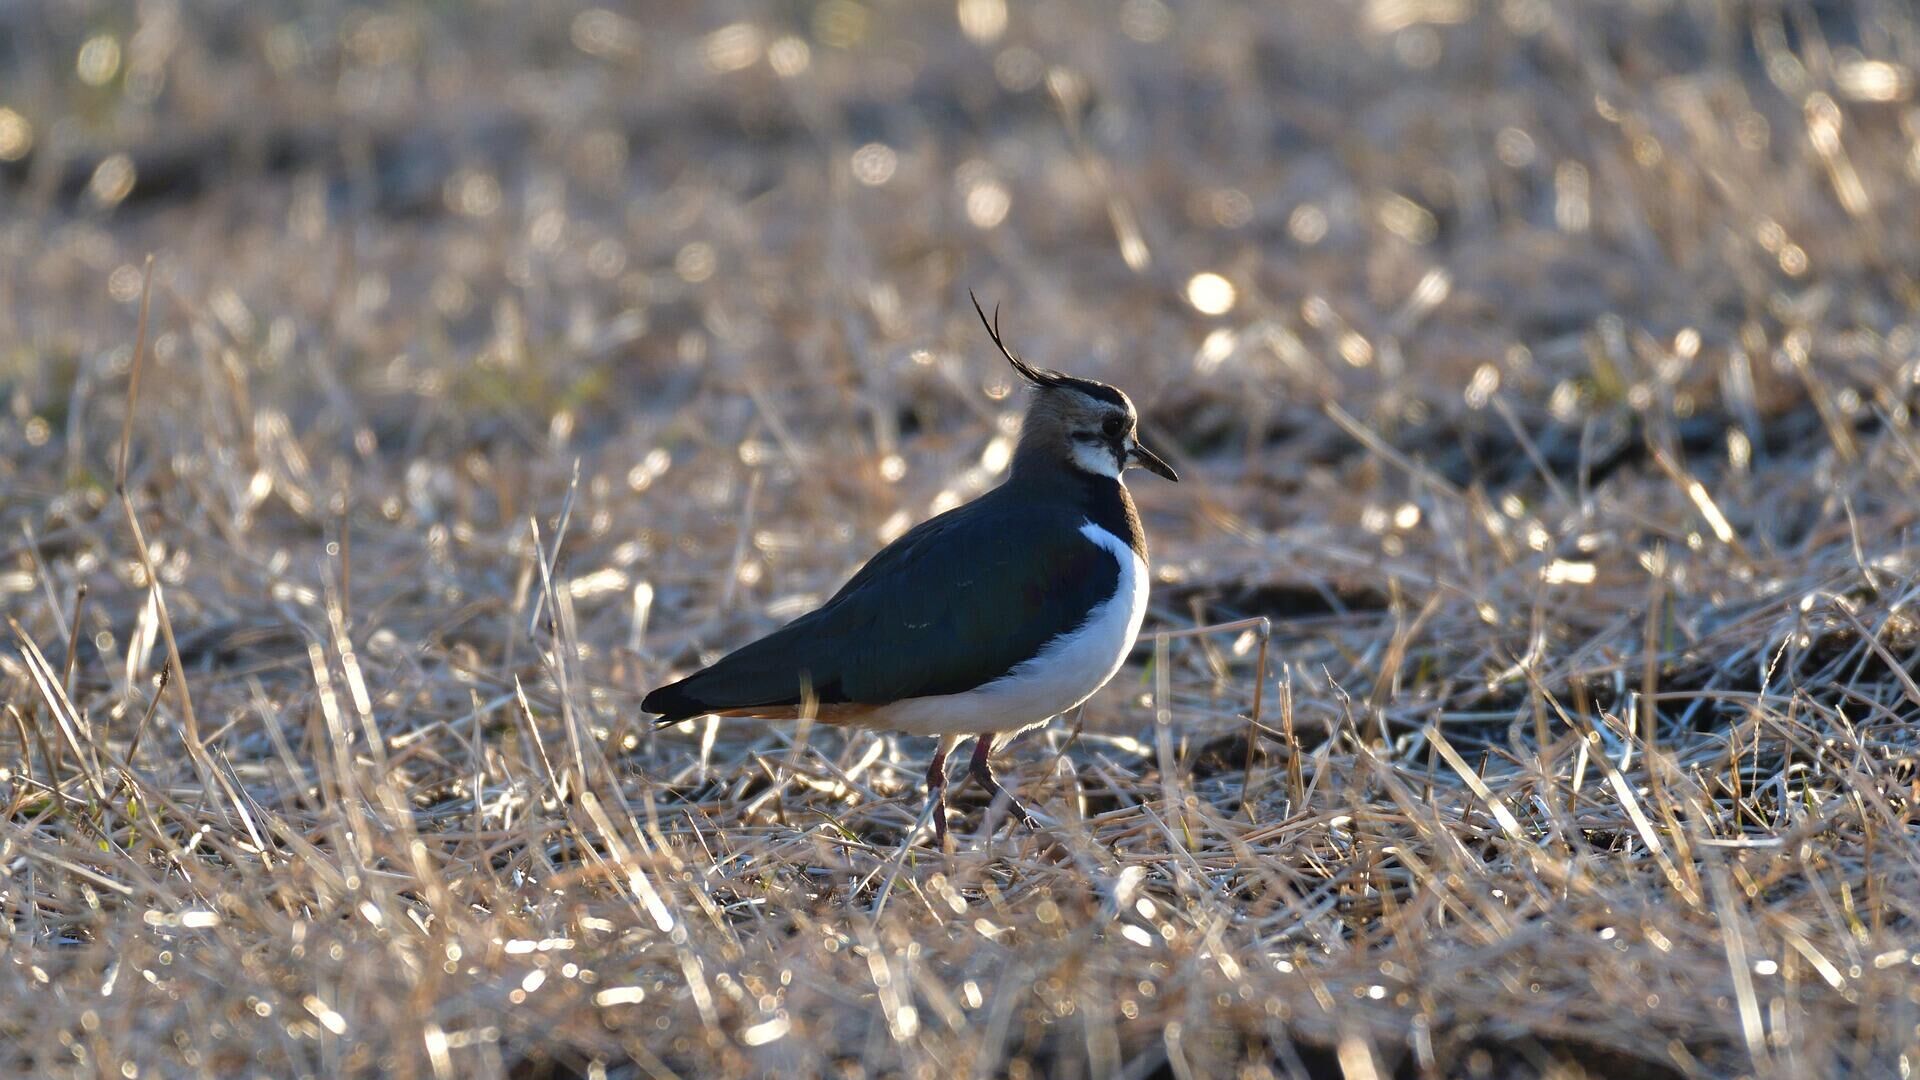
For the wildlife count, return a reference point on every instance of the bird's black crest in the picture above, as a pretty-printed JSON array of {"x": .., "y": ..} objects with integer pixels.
[{"x": 1045, "y": 378}]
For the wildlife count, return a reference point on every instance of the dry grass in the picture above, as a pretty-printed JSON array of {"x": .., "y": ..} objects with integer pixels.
[{"x": 504, "y": 362}]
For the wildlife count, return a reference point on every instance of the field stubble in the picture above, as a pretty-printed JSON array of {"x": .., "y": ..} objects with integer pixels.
[{"x": 1541, "y": 372}]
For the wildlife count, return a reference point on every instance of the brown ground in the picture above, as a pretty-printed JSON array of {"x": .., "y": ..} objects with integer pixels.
[{"x": 505, "y": 360}]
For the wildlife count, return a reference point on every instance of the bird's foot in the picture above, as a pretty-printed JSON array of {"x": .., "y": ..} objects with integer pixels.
[
  {"x": 937, "y": 796},
  {"x": 982, "y": 771},
  {"x": 937, "y": 806},
  {"x": 1015, "y": 810}
]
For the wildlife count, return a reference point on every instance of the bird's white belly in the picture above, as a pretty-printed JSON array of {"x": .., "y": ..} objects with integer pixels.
[{"x": 1065, "y": 672}]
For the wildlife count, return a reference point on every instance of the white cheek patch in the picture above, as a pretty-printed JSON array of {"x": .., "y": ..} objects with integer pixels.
[{"x": 1095, "y": 458}]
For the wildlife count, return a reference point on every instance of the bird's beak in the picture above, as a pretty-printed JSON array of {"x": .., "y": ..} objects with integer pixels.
[{"x": 1138, "y": 454}]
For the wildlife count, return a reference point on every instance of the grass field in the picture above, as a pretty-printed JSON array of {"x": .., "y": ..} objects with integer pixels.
[{"x": 1542, "y": 372}]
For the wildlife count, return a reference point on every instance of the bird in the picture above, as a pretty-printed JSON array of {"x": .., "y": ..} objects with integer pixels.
[{"x": 984, "y": 621}]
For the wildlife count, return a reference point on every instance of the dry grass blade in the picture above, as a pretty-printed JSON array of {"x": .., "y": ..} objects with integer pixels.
[
  {"x": 1548, "y": 503},
  {"x": 188, "y": 717}
]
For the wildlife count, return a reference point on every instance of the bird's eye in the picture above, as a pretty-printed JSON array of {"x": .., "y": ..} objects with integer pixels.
[{"x": 1114, "y": 427}]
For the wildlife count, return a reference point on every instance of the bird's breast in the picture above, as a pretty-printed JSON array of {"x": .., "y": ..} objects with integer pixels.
[{"x": 1065, "y": 672}]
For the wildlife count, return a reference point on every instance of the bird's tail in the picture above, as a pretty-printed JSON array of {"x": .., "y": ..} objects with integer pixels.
[
  {"x": 732, "y": 689},
  {"x": 674, "y": 702}
]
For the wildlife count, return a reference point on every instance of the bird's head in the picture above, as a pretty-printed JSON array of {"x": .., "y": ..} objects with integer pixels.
[{"x": 1084, "y": 424}]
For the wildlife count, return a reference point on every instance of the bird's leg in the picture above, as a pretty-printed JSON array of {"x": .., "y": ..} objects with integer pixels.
[
  {"x": 983, "y": 772},
  {"x": 937, "y": 792}
]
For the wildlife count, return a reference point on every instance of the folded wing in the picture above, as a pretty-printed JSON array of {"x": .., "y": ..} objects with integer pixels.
[{"x": 953, "y": 604}]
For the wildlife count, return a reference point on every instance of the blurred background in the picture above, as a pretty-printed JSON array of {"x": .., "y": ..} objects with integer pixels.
[
  {"x": 414, "y": 261},
  {"x": 1491, "y": 338},
  {"x": 531, "y": 231}
]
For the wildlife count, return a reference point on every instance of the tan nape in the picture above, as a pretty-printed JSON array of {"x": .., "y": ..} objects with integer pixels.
[{"x": 1061, "y": 420}]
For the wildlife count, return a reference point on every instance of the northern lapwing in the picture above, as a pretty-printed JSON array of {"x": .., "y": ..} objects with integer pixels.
[{"x": 984, "y": 621}]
